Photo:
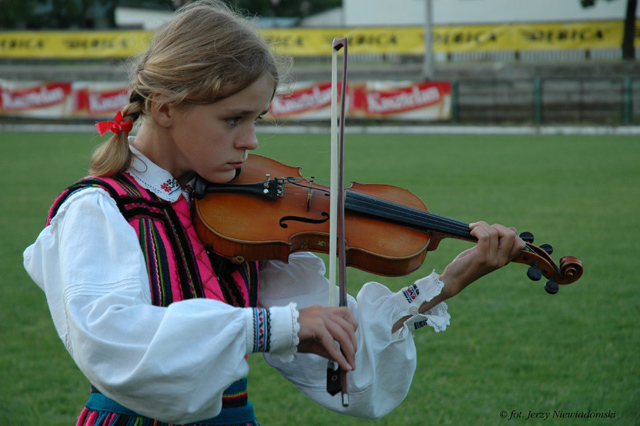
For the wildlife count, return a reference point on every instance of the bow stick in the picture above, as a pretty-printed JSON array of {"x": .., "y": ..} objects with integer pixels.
[{"x": 336, "y": 377}]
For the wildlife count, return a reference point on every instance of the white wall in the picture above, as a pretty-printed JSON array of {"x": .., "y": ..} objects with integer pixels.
[
  {"x": 141, "y": 18},
  {"x": 445, "y": 12}
]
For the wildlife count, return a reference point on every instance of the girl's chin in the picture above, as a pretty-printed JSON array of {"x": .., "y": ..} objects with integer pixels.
[{"x": 222, "y": 177}]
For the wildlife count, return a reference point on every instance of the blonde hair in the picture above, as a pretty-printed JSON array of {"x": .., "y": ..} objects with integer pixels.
[{"x": 206, "y": 53}]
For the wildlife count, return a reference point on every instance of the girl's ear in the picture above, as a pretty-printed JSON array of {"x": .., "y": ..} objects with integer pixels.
[{"x": 163, "y": 114}]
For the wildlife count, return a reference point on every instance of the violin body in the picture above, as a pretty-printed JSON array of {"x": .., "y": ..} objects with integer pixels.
[
  {"x": 245, "y": 226},
  {"x": 270, "y": 211}
]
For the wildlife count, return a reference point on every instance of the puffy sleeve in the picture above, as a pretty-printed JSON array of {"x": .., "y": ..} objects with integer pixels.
[
  {"x": 170, "y": 364},
  {"x": 385, "y": 362}
]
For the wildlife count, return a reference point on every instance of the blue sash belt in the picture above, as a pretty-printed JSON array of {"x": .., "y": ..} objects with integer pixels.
[{"x": 228, "y": 416}]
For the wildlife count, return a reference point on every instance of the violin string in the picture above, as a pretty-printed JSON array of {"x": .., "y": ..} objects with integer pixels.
[
  {"x": 419, "y": 218},
  {"x": 412, "y": 215},
  {"x": 377, "y": 207},
  {"x": 418, "y": 214},
  {"x": 408, "y": 215}
]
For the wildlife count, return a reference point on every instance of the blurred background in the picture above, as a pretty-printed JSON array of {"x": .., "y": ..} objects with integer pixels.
[
  {"x": 521, "y": 82},
  {"x": 443, "y": 62}
]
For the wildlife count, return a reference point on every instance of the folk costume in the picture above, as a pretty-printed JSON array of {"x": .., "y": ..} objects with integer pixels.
[{"x": 161, "y": 327}]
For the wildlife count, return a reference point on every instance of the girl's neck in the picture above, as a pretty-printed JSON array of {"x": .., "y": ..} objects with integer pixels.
[{"x": 150, "y": 141}]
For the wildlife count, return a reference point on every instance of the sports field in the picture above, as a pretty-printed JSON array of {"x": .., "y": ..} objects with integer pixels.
[{"x": 511, "y": 351}]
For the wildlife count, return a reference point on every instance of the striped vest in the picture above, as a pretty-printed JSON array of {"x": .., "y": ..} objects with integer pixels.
[{"x": 179, "y": 266}]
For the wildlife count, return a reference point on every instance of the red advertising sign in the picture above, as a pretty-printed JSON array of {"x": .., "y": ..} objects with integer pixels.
[
  {"x": 402, "y": 99},
  {"x": 99, "y": 100},
  {"x": 32, "y": 97},
  {"x": 311, "y": 101},
  {"x": 427, "y": 101},
  {"x": 302, "y": 100}
]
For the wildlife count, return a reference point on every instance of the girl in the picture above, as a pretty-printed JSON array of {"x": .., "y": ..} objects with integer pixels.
[{"x": 162, "y": 327}]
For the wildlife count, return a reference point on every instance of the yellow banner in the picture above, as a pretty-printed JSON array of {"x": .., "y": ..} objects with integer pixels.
[
  {"x": 73, "y": 44},
  {"x": 575, "y": 35},
  {"x": 467, "y": 38},
  {"x": 317, "y": 42},
  {"x": 472, "y": 38}
]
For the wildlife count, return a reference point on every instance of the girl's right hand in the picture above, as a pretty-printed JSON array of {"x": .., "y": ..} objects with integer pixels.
[{"x": 321, "y": 328}]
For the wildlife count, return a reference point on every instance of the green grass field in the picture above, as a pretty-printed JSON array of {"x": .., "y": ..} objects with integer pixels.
[{"x": 510, "y": 345}]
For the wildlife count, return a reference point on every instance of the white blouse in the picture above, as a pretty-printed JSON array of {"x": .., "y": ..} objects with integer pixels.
[{"x": 173, "y": 363}]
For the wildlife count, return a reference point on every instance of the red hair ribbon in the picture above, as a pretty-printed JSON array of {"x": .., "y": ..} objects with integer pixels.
[{"x": 115, "y": 126}]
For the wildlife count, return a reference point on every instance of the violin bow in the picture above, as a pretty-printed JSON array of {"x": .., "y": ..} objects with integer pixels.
[{"x": 336, "y": 377}]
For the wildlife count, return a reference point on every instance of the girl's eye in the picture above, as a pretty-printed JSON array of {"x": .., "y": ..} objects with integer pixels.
[
  {"x": 259, "y": 119},
  {"x": 233, "y": 121}
]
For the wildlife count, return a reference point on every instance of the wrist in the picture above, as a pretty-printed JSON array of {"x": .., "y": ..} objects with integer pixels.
[
  {"x": 446, "y": 292},
  {"x": 453, "y": 283}
]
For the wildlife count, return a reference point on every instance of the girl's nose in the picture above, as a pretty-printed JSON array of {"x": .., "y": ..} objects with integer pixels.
[{"x": 248, "y": 140}]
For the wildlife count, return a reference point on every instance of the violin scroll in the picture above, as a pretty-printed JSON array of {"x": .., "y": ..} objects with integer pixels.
[
  {"x": 541, "y": 264},
  {"x": 571, "y": 267}
]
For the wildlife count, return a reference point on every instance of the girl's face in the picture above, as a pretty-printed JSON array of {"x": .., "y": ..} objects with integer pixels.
[{"x": 213, "y": 140}]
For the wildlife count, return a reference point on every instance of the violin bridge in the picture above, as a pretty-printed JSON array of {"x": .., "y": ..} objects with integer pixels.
[{"x": 310, "y": 193}]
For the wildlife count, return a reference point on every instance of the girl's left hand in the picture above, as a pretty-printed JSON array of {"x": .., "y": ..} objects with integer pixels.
[{"x": 497, "y": 246}]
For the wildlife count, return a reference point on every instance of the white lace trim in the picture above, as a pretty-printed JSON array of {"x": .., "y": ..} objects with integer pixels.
[
  {"x": 289, "y": 354},
  {"x": 436, "y": 317},
  {"x": 295, "y": 328},
  {"x": 430, "y": 286}
]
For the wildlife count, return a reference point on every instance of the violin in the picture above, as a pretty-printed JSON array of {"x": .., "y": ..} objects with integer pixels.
[{"x": 269, "y": 211}]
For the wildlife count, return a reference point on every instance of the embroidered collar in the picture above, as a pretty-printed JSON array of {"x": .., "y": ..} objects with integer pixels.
[{"x": 156, "y": 179}]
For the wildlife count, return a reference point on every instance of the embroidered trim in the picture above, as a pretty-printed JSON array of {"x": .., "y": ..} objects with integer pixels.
[
  {"x": 411, "y": 292},
  {"x": 170, "y": 185},
  {"x": 409, "y": 300},
  {"x": 261, "y": 330},
  {"x": 420, "y": 324}
]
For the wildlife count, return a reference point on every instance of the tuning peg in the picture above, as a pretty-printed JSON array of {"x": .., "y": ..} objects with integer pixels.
[
  {"x": 551, "y": 287},
  {"x": 527, "y": 237},
  {"x": 547, "y": 247},
  {"x": 534, "y": 273}
]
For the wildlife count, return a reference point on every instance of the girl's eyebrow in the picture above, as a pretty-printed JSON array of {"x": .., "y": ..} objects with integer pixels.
[{"x": 244, "y": 112}]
